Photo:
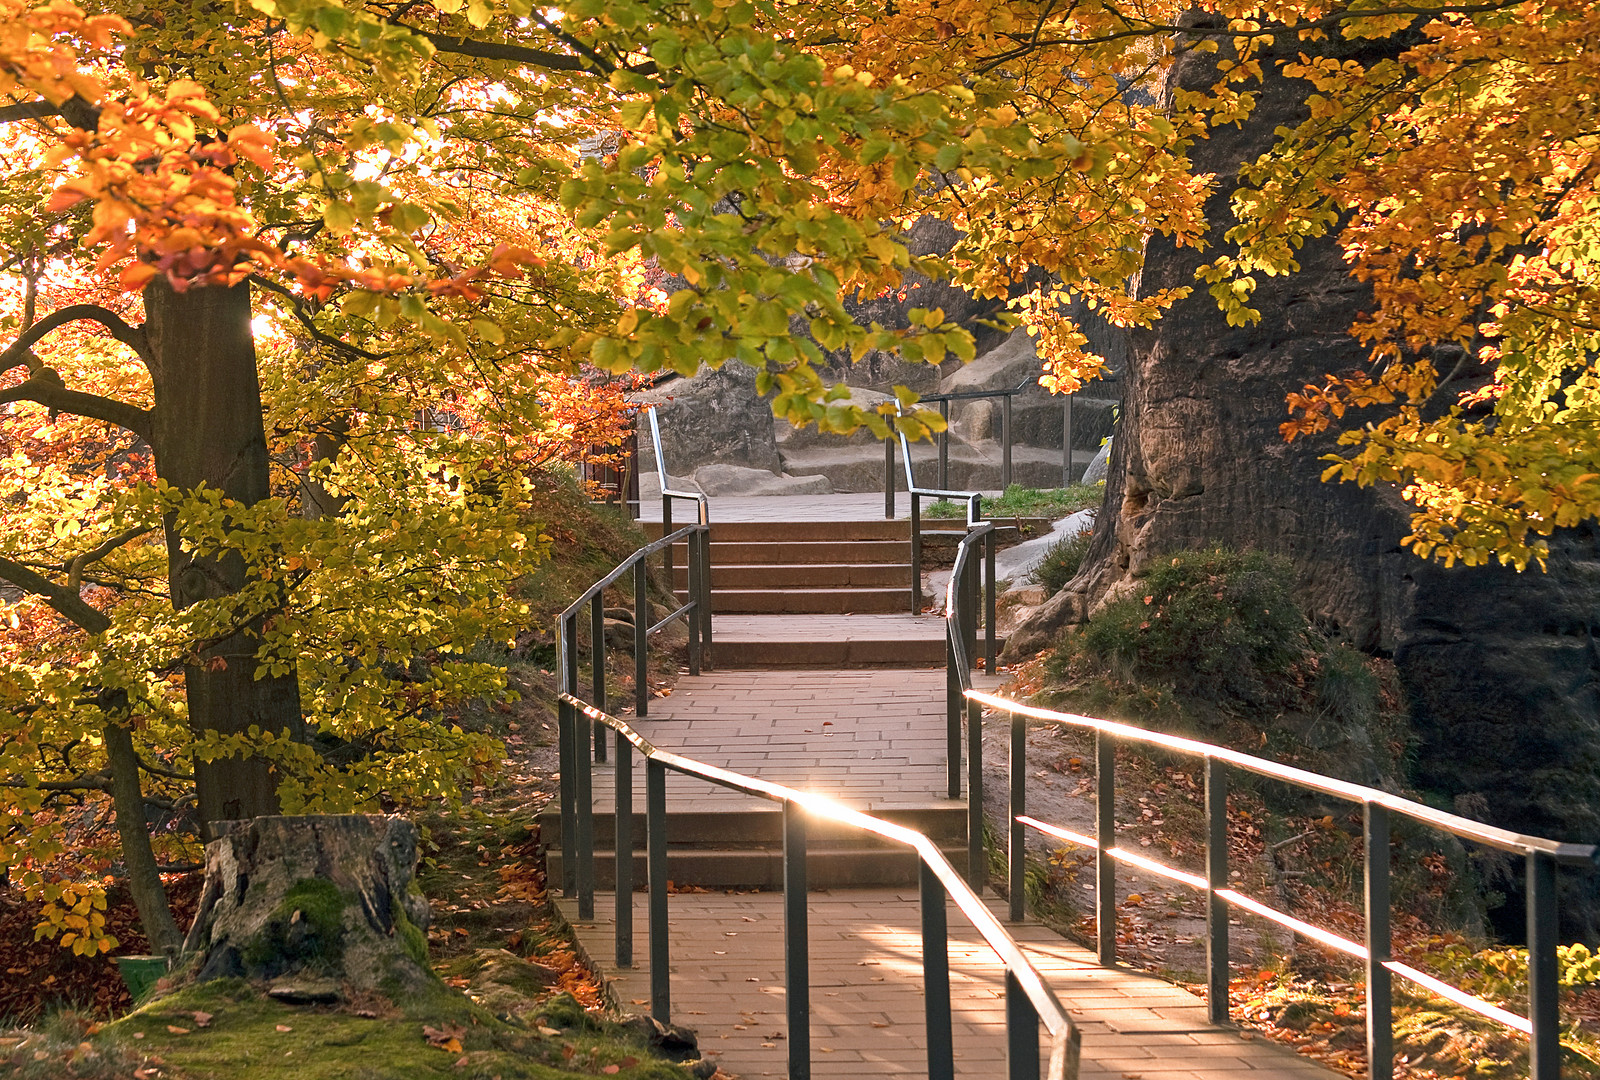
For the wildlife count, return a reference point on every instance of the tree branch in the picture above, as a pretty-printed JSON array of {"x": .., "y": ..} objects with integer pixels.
[
  {"x": 78, "y": 111},
  {"x": 65, "y": 601},
  {"x": 44, "y": 388},
  {"x": 133, "y": 337},
  {"x": 74, "y": 568}
]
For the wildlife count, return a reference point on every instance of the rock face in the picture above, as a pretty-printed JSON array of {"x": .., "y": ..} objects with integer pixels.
[
  {"x": 1502, "y": 670},
  {"x": 313, "y": 906},
  {"x": 715, "y": 416}
]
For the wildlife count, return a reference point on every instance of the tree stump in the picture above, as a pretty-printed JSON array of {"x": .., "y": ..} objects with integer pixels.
[{"x": 315, "y": 906}]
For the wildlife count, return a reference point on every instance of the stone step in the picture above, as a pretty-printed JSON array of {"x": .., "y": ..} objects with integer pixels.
[
  {"x": 771, "y": 552},
  {"x": 758, "y": 869},
  {"x": 806, "y": 601},
  {"x": 944, "y": 820},
  {"x": 819, "y": 531},
  {"x": 804, "y": 575},
  {"x": 829, "y": 641}
]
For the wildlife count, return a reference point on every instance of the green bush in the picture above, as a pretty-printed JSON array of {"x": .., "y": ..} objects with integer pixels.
[
  {"x": 1061, "y": 562},
  {"x": 1217, "y": 625}
]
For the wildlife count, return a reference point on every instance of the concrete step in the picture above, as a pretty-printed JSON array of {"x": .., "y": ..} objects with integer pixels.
[
  {"x": 808, "y": 653},
  {"x": 819, "y": 531},
  {"x": 806, "y": 601},
  {"x": 759, "y": 869},
  {"x": 805, "y": 576},
  {"x": 770, "y": 552},
  {"x": 944, "y": 820}
]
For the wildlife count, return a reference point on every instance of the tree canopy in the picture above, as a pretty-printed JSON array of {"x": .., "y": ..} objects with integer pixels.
[{"x": 302, "y": 288}]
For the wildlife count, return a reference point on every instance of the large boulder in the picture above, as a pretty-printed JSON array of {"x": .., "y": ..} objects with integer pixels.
[
  {"x": 1501, "y": 669},
  {"x": 715, "y": 416},
  {"x": 738, "y": 480}
]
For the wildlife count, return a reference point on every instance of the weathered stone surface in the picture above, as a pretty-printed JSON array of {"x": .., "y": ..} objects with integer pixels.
[
  {"x": 1501, "y": 669},
  {"x": 972, "y": 468},
  {"x": 791, "y": 438},
  {"x": 724, "y": 479},
  {"x": 1100, "y": 466},
  {"x": 715, "y": 416},
  {"x": 312, "y": 902}
]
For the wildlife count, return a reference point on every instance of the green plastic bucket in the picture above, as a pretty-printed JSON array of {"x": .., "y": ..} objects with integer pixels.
[{"x": 140, "y": 973}]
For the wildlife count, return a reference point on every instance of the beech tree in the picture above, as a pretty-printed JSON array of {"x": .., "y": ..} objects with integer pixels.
[{"x": 303, "y": 284}]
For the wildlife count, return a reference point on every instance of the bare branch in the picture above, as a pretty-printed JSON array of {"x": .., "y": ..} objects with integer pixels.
[
  {"x": 16, "y": 355},
  {"x": 93, "y": 782},
  {"x": 45, "y": 388},
  {"x": 65, "y": 601},
  {"x": 74, "y": 568}
]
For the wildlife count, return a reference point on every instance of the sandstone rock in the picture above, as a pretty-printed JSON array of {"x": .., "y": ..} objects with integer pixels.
[
  {"x": 1014, "y": 362},
  {"x": 725, "y": 479},
  {"x": 1500, "y": 669},
  {"x": 972, "y": 468},
  {"x": 1099, "y": 467},
  {"x": 716, "y": 416},
  {"x": 315, "y": 899},
  {"x": 791, "y": 438}
]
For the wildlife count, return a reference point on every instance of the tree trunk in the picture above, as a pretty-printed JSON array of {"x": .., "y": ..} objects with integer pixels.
[
  {"x": 315, "y": 906},
  {"x": 144, "y": 880},
  {"x": 208, "y": 432}
]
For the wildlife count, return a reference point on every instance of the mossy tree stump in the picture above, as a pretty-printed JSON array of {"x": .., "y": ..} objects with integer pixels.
[{"x": 320, "y": 905}]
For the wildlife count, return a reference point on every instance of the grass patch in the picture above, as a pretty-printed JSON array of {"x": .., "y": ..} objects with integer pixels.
[
  {"x": 1061, "y": 562},
  {"x": 1025, "y": 502}
]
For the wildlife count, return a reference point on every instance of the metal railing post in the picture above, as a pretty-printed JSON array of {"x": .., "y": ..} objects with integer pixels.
[
  {"x": 597, "y": 660},
  {"x": 989, "y": 599},
  {"x": 1380, "y": 988},
  {"x": 666, "y": 552},
  {"x": 977, "y": 865},
  {"x": 570, "y": 752},
  {"x": 944, "y": 444},
  {"x": 888, "y": 478},
  {"x": 1066, "y": 441},
  {"x": 1022, "y": 1033},
  {"x": 691, "y": 560},
  {"x": 953, "y": 702},
  {"x": 936, "y": 976},
  {"x": 704, "y": 610},
  {"x": 583, "y": 839},
  {"x": 1216, "y": 784},
  {"x": 1005, "y": 442},
  {"x": 655, "y": 825},
  {"x": 1544, "y": 1048},
  {"x": 1016, "y": 847},
  {"x": 622, "y": 811},
  {"x": 796, "y": 948},
  {"x": 969, "y": 603},
  {"x": 641, "y": 641},
  {"x": 916, "y": 553},
  {"x": 1105, "y": 837}
]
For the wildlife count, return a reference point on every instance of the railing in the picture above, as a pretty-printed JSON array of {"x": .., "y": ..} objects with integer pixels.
[
  {"x": 1005, "y": 397},
  {"x": 702, "y": 507},
  {"x": 1542, "y": 1025},
  {"x": 973, "y": 499},
  {"x": 1029, "y": 1000}
]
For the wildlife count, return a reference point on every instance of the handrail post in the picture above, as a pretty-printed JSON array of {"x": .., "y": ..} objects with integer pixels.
[
  {"x": 989, "y": 650},
  {"x": 1544, "y": 1048},
  {"x": 1022, "y": 1033},
  {"x": 977, "y": 866},
  {"x": 916, "y": 552},
  {"x": 666, "y": 552},
  {"x": 597, "y": 661},
  {"x": 705, "y": 597},
  {"x": 655, "y": 817},
  {"x": 691, "y": 560},
  {"x": 952, "y": 718},
  {"x": 1066, "y": 441},
  {"x": 1105, "y": 837},
  {"x": 1380, "y": 989},
  {"x": 1005, "y": 442},
  {"x": 641, "y": 642},
  {"x": 567, "y": 715},
  {"x": 888, "y": 479},
  {"x": 972, "y": 584},
  {"x": 583, "y": 840},
  {"x": 944, "y": 444},
  {"x": 1216, "y": 787},
  {"x": 1016, "y": 848},
  {"x": 623, "y": 846},
  {"x": 936, "y": 976},
  {"x": 796, "y": 947}
]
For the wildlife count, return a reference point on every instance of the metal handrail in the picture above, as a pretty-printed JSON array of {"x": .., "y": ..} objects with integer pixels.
[
  {"x": 703, "y": 517},
  {"x": 973, "y": 499},
  {"x": 1029, "y": 999},
  {"x": 1542, "y": 1025}
]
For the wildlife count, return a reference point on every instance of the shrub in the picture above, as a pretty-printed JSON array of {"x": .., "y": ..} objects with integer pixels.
[
  {"x": 1061, "y": 562},
  {"x": 1219, "y": 625}
]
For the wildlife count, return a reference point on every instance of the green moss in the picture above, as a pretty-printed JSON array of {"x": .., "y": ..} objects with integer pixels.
[
  {"x": 412, "y": 939},
  {"x": 247, "y": 1036},
  {"x": 306, "y": 931}
]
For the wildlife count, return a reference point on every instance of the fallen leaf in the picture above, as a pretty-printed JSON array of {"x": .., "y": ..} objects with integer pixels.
[
  {"x": 202, "y": 1019},
  {"x": 176, "y": 1030},
  {"x": 285, "y": 1027}
]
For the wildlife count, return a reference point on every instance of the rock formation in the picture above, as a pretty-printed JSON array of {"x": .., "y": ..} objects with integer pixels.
[{"x": 1502, "y": 670}]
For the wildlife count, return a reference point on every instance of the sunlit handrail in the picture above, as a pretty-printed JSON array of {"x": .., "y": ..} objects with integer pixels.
[{"x": 1024, "y": 984}]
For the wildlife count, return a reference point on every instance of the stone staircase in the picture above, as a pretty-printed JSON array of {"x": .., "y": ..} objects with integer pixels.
[{"x": 743, "y": 849}]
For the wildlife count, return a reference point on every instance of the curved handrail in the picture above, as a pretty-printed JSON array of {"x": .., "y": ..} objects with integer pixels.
[
  {"x": 667, "y": 494},
  {"x": 1065, "y": 1039}
]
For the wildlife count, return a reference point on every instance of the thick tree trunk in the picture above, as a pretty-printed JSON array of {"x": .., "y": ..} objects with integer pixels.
[
  {"x": 315, "y": 906},
  {"x": 208, "y": 431}
]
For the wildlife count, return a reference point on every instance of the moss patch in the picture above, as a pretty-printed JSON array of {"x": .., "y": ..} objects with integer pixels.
[{"x": 305, "y": 932}]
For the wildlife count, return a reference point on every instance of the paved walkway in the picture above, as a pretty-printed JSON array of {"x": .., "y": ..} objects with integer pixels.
[
  {"x": 875, "y": 739},
  {"x": 844, "y": 506}
]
